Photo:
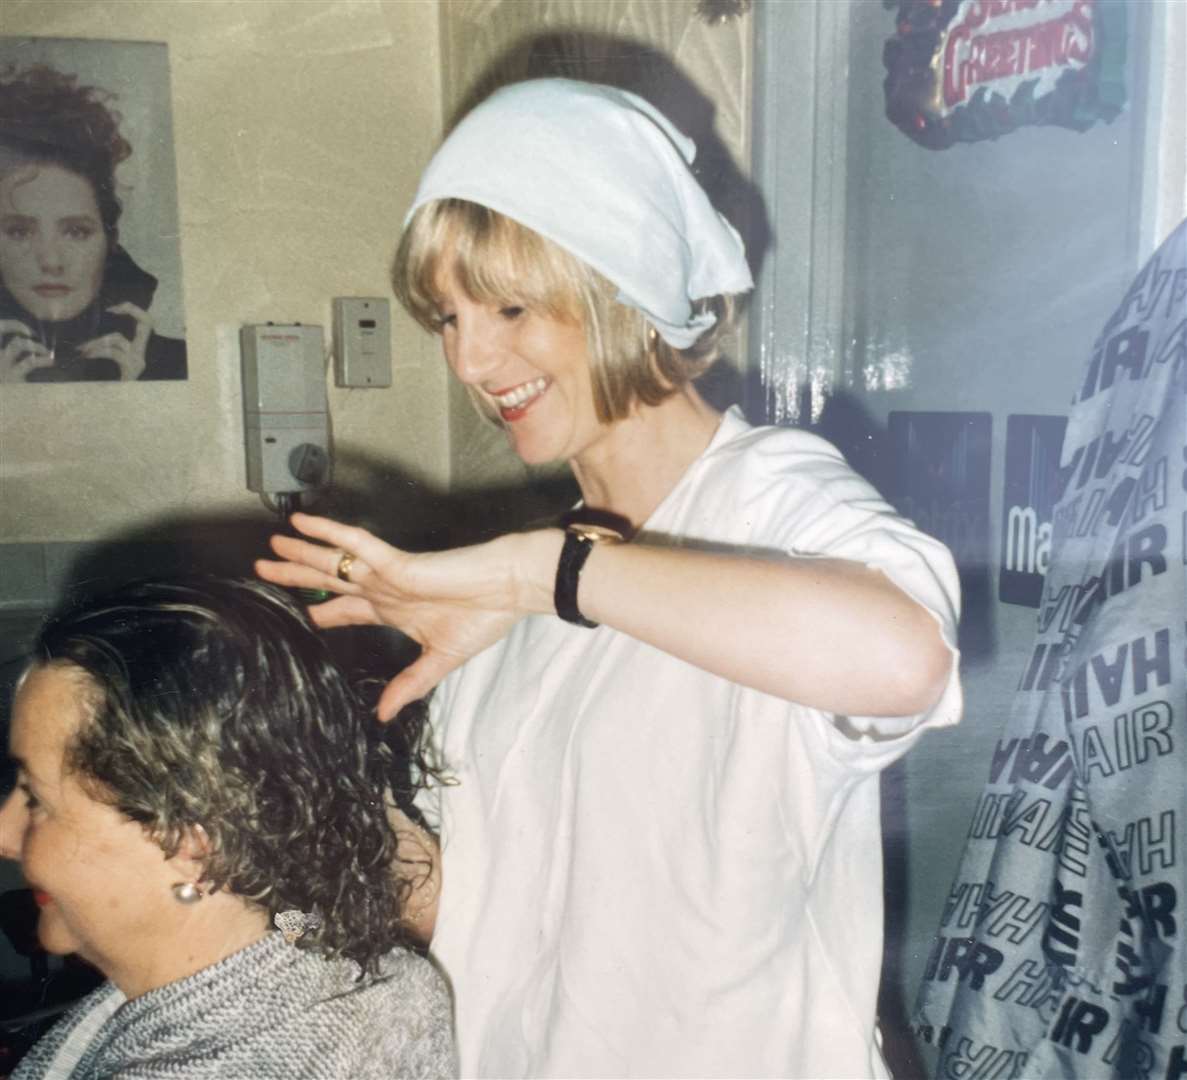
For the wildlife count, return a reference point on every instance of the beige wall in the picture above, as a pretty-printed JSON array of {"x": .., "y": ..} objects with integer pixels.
[
  {"x": 699, "y": 74},
  {"x": 301, "y": 127}
]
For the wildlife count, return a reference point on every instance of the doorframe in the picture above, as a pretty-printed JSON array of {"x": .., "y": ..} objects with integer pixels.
[
  {"x": 801, "y": 89},
  {"x": 800, "y": 139}
]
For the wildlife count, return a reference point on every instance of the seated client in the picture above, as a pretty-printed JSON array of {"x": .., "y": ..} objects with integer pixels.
[{"x": 202, "y": 812}]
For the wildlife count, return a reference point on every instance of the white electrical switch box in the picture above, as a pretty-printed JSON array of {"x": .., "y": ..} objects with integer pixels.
[
  {"x": 362, "y": 341},
  {"x": 285, "y": 419}
]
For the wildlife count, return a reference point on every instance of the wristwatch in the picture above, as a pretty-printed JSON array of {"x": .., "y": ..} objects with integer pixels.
[{"x": 579, "y": 541}]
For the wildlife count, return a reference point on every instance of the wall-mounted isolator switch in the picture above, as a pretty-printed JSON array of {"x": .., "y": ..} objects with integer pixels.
[
  {"x": 285, "y": 421},
  {"x": 362, "y": 341}
]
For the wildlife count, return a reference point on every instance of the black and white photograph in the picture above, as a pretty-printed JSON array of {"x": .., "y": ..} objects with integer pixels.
[{"x": 89, "y": 257}]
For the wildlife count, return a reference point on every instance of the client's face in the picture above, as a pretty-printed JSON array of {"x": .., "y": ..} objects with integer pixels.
[
  {"x": 101, "y": 883},
  {"x": 52, "y": 244}
]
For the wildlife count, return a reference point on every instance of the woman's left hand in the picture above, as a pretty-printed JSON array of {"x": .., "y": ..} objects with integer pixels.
[
  {"x": 453, "y": 603},
  {"x": 128, "y": 353}
]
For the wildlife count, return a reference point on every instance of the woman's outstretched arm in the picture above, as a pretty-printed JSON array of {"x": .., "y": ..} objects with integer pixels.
[{"x": 827, "y": 633}]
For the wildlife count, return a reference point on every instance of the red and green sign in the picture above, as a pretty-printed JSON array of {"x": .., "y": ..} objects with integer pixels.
[{"x": 964, "y": 70}]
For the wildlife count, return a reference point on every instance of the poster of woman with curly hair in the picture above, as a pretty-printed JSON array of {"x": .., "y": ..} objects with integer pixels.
[{"x": 90, "y": 267}]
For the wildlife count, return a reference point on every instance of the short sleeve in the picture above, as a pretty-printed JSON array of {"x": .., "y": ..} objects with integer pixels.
[{"x": 799, "y": 496}]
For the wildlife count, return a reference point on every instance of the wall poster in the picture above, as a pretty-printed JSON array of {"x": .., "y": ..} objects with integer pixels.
[
  {"x": 1031, "y": 486},
  {"x": 90, "y": 266},
  {"x": 941, "y": 479}
]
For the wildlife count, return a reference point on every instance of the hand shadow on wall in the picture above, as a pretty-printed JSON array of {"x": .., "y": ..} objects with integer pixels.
[
  {"x": 638, "y": 66},
  {"x": 868, "y": 448},
  {"x": 388, "y": 502}
]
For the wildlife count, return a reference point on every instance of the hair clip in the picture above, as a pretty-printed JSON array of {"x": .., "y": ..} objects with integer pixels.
[{"x": 294, "y": 924}]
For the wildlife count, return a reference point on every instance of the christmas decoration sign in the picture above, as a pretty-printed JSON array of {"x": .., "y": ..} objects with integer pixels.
[{"x": 964, "y": 70}]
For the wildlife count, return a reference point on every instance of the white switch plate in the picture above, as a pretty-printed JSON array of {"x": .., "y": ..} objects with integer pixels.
[{"x": 362, "y": 341}]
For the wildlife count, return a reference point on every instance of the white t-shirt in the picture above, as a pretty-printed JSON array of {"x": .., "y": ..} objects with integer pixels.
[{"x": 651, "y": 871}]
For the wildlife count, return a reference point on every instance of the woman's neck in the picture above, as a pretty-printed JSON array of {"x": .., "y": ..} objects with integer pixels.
[
  {"x": 643, "y": 457},
  {"x": 201, "y": 935}
]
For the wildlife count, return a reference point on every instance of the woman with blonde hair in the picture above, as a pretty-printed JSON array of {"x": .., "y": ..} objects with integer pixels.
[{"x": 666, "y": 718}]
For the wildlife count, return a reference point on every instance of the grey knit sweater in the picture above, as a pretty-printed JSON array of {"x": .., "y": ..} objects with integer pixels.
[{"x": 268, "y": 1012}]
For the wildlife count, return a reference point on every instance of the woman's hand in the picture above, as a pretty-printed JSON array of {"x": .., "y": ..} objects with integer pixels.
[
  {"x": 21, "y": 353},
  {"x": 453, "y": 603},
  {"x": 128, "y": 353}
]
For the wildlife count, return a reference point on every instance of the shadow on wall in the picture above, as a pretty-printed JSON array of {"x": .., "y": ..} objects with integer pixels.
[
  {"x": 406, "y": 512},
  {"x": 387, "y": 502},
  {"x": 868, "y": 448},
  {"x": 644, "y": 70}
]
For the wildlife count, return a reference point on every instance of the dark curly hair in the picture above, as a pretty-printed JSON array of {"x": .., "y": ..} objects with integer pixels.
[
  {"x": 47, "y": 118},
  {"x": 215, "y": 703}
]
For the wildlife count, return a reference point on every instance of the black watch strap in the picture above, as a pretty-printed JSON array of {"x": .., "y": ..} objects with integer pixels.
[
  {"x": 574, "y": 552},
  {"x": 579, "y": 541}
]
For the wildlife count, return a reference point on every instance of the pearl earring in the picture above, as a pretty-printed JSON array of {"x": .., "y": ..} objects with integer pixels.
[{"x": 186, "y": 892}]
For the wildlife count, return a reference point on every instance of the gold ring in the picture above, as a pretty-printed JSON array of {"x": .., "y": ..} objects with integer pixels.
[{"x": 344, "y": 565}]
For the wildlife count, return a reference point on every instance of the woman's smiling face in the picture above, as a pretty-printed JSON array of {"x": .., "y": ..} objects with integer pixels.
[
  {"x": 102, "y": 885},
  {"x": 52, "y": 245},
  {"x": 530, "y": 368}
]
